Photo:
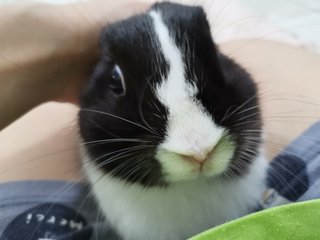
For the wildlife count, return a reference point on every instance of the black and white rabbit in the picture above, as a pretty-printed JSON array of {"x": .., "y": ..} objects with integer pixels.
[{"x": 171, "y": 128}]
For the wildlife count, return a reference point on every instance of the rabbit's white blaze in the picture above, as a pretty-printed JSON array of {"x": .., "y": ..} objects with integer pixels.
[
  {"x": 191, "y": 131},
  {"x": 172, "y": 190}
]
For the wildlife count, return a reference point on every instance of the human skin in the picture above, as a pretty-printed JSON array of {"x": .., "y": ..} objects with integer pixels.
[
  {"x": 43, "y": 143},
  {"x": 47, "y": 51}
]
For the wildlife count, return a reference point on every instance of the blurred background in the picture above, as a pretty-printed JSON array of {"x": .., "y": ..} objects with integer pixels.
[{"x": 291, "y": 21}]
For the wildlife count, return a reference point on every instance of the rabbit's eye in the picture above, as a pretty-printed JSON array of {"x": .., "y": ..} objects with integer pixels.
[{"x": 117, "y": 82}]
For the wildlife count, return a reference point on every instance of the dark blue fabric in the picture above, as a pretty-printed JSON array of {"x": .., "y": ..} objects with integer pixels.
[
  {"x": 294, "y": 175},
  {"x": 288, "y": 176},
  {"x": 48, "y": 221}
]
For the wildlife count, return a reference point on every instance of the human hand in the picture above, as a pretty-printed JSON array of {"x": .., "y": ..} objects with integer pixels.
[{"x": 85, "y": 22}]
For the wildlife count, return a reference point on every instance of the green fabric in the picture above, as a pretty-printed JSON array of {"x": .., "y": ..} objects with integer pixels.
[{"x": 296, "y": 221}]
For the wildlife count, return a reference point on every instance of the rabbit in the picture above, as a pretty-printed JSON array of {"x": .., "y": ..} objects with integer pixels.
[{"x": 171, "y": 129}]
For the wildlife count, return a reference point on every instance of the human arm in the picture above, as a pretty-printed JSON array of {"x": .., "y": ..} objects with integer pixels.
[
  {"x": 47, "y": 51},
  {"x": 288, "y": 83},
  {"x": 52, "y": 141}
]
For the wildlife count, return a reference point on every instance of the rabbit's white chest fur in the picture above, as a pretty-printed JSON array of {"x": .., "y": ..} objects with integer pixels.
[{"x": 179, "y": 211}]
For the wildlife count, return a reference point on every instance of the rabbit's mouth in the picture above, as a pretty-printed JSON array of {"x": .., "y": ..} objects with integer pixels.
[{"x": 178, "y": 167}]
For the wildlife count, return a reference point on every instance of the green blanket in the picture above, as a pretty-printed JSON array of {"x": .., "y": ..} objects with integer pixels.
[{"x": 296, "y": 221}]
